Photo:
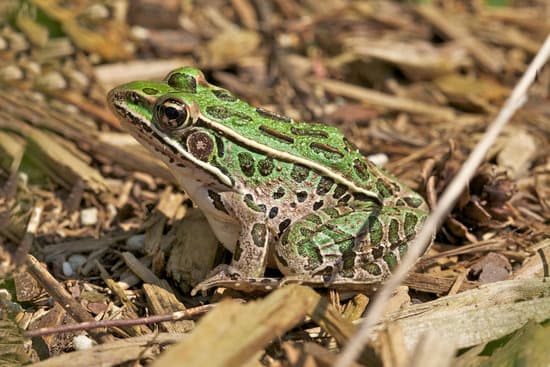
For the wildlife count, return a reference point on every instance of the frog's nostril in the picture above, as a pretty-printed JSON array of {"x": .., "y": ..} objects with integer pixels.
[{"x": 135, "y": 98}]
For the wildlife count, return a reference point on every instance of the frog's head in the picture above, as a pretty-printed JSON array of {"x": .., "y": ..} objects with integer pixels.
[{"x": 166, "y": 118}]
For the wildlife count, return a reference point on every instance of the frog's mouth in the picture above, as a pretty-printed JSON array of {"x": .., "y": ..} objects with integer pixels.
[{"x": 136, "y": 118}]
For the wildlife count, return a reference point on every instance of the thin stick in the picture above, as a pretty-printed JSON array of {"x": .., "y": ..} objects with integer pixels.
[
  {"x": 444, "y": 206},
  {"x": 64, "y": 298},
  {"x": 174, "y": 316}
]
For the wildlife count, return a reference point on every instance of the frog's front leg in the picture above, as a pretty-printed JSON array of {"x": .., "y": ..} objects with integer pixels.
[
  {"x": 250, "y": 255},
  {"x": 345, "y": 245}
]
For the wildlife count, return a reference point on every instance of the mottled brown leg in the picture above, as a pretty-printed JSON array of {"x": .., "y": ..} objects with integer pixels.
[{"x": 250, "y": 255}]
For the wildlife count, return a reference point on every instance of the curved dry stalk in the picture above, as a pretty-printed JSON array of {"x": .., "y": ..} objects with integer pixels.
[
  {"x": 444, "y": 206},
  {"x": 89, "y": 325}
]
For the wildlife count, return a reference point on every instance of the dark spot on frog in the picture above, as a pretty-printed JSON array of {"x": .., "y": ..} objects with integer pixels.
[
  {"x": 361, "y": 169},
  {"x": 222, "y": 113},
  {"x": 301, "y": 196},
  {"x": 273, "y": 212},
  {"x": 279, "y": 193},
  {"x": 259, "y": 234},
  {"x": 217, "y": 201},
  {"x": 283, "y": 225},
  {"x": 344, "y": 199},
  {"x": 280, "y": 136},
  {"x": 339, "y": 191},
  {"x": 318, "y": 205},
  {"x": 218, "y": 112},
  {"x": 324, "y": 185},
  {"x": 349, "y": 146},
  {"x": 246, "y": 162},
  {"x": 219, "y": 146},
  {"x": 326, "y": 150},
  {"x": 359, "y": 196},
  {"x": 238, "y": 251},
  {"x": 377, "y": 252},
  {"x": 309, "y": 132},
  {"x": 299, "y": 173},
  {"x": 272, "y": 115},
  {"x": 265, "y": 166},
  {"x": 150, "y": 91},
  {"x": 224, "y": 95},
  {"x": 281, "y": 259},
  {"x": 383, "y": 189}
]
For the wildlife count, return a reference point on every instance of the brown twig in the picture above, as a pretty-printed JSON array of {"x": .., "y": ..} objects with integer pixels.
[
  {"x": 61, "y": 296},
  {"x": 88, "y": 325}
]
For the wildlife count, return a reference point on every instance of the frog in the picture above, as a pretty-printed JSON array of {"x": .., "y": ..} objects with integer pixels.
[{"x": 295, "y": 196}]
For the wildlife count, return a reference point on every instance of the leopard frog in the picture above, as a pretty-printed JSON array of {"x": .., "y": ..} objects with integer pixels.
[{"x": 292, "y": 195}]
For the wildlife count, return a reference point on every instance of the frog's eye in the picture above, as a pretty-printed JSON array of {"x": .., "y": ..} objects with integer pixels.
[{"x": 171, "y": 115}]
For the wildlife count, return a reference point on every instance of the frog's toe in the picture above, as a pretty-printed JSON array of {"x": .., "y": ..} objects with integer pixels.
[
  {"x": 327, "y": 272},
  {"x": 220, "y": 276},
  {"x": 230, "y": 277}
]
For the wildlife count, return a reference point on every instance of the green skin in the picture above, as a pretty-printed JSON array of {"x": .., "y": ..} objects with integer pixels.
[{"x": 293, "y": 195}]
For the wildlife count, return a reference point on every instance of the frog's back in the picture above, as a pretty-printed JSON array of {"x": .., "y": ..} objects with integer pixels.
[{"x": 317, "y": 146}]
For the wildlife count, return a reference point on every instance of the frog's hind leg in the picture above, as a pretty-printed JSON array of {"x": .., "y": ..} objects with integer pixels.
[
  {"x": 251, "y": 249},
  {"x": 347, "y": 245}
]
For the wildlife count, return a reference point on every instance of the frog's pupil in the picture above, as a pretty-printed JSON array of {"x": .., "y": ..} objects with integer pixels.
[{"x": 171, "y": 113}]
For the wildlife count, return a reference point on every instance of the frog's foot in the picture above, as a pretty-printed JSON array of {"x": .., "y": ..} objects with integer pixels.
[
  {"x": 338, "y": 283},
  {"x": 316, "y": 281},
  {"x": 230, "y": 277},
  {"x": 219, "y": 276},
  {"x": 328, "y": 272}
]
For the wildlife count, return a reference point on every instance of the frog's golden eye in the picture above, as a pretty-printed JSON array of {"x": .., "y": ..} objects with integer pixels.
[{"x": 171, "y": 115}]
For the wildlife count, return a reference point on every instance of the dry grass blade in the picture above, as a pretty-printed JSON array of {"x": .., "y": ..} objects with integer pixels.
[
  {"x": 114, "y": 353},
  {"x": 457, "y": 32},
  {"x": 239, "y": 331},
  {"x": 516, "y": 99},
  {"x": 383, "y": 100},
  {"x": 468, "y": 318},
  {"x": 12, "y": 342}
]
